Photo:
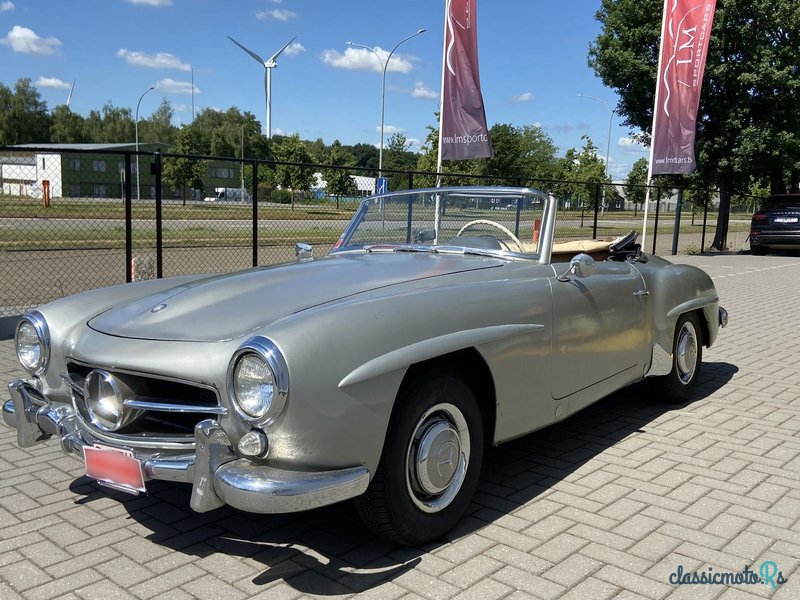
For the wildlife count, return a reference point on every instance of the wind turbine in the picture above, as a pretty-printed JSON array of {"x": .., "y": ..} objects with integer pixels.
[
  {"x": 268, "y": 66},
  {"x": 72, "y": 89}
]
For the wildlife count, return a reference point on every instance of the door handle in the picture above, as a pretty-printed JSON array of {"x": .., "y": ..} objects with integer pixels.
[{"x": 641, "y": 293}]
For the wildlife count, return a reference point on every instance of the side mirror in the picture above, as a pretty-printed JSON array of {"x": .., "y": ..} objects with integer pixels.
[
  {"x": 303, "y": 252},
  {"x": 581, "y": 265}
]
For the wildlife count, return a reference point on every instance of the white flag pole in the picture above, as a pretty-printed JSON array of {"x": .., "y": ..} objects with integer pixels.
[
  {"x": 439, "y": 177},
  {"x": 653, "y": 130}
]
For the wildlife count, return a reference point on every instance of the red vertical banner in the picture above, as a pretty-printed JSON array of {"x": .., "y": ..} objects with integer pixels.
[
  {"x": 463, "y": 132},
  {"x": 684, "y": 46}
]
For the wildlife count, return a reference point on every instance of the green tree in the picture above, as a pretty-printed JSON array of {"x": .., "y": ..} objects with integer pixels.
[
  {"x": 521, "y": 153},
  {"x": 290, "y": 149},
  {"x": 67, "y": 127},
  {"x": 366, "y": 155},
  {"x": 339, "y": 181},
  {"x": 637, "y": 178},
  {"x": 583, "y": 170},
  {"x": 748, "y": 125},
  {"x": 184, "y": 172},
  {"x": 23, "y": 116},
  {"x": 397, "y": 154},
  {"x": 158, "y": 127}
]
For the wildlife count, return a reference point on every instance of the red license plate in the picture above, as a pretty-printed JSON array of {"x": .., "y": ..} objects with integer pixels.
[{"x": 115, "y": 468}]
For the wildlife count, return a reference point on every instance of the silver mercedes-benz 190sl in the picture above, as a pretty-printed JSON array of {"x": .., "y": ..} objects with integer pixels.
[{"x": 443, "y": 321}]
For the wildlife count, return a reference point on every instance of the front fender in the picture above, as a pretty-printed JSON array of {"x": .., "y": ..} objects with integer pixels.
[{"x": 403, "y": 358}]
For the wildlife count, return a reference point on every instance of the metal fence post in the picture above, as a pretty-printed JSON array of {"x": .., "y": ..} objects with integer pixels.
[
  {"x": 705, "y": 220},
  {"x": 159, "y": 221},
  {"x": 596, "y": 209},
  {"x": 255, "y": 213},
  {"x": 128, "y": 221},
  {"x": 655, "y": 225},
  {"x": 677, "y": 229}
]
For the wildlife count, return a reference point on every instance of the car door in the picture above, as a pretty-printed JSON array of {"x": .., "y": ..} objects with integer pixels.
[{"x": 599, "y": 333}]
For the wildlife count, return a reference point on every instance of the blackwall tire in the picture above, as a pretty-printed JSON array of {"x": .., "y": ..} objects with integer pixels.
[{"x": 430, "y": 464}]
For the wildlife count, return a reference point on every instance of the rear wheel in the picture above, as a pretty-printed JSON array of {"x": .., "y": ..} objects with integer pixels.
[
  {"x": 430, "y": 464},
  {"x": 687, "y": 360}
]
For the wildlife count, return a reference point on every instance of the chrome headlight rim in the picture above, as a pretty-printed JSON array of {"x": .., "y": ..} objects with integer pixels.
[
  {"x": 36, "y": 320},
  {"x": 266, "y": 350}
]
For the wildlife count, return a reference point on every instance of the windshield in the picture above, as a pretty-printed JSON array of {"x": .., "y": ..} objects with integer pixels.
[
  {"x": 491, "y": 220},
  {"x": 782, "y": 203}
]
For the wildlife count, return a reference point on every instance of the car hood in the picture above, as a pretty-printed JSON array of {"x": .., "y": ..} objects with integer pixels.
[{"x": 225, "y": 307}]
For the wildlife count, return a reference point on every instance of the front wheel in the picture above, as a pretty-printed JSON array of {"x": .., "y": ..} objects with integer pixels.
[
  {"x": 430, "y": 463},
  {"x": 687, "y": 360}
]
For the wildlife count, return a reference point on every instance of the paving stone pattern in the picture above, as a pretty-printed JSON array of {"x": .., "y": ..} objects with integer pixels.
[{"x": 604, "y": 505}]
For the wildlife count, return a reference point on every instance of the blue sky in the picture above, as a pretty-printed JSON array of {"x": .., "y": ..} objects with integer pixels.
[{"x": 532, "y": 62}]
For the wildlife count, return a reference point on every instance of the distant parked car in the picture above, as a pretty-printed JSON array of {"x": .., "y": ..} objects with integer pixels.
[
  {"x": 777, "y": 225},
  {"x": 436, "y": 327}
]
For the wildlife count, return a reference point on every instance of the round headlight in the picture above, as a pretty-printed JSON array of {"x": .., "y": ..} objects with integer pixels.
[
  {"x": 258, "y": 381},
  {"x": 32, "y": 343},
  {"x": 254, "y": 385}
]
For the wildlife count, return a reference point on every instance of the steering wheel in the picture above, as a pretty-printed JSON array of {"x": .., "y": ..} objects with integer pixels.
[{"x": 505, "y": 230}]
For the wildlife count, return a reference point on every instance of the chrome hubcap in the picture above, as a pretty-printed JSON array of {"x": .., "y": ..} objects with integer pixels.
[
  {"x": 437, "y": 459},
  {"x": 686, "y": 351}
]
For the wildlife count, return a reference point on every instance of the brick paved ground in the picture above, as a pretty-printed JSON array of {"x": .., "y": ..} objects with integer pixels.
[{"x": 604, "y": 505}]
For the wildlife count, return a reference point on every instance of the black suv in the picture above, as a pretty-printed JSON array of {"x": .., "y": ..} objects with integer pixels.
[{"x": 777, "y": 225}]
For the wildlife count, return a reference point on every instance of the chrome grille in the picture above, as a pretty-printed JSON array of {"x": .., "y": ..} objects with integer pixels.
[{"x": 170, "y": 409}]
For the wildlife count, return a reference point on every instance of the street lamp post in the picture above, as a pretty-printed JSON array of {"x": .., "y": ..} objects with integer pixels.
[
  {"x": 150, "y": 89},
  {"x": 384, "y": 66},
  {"x": 608, "y": 142}
]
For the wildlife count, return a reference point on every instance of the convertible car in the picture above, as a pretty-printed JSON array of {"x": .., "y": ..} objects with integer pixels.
[{"x": 441, "y": 322}]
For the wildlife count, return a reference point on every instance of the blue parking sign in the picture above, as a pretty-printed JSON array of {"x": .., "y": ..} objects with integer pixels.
[{"x": 383, "y": 185}]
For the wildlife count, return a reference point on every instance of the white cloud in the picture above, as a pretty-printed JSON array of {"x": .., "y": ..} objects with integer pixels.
[
  {"x": 294, "y": 49},
  {"x": 25, "y": 41},
  {"x": 414, "y": 144},
  {"x": 159, "y": 60},
  {"x": 279, "y": 131},
  {"x": 52, "y": 82},
  {"x": 7, "y": 6},
  {"x": 630, "y": 145},
  {"x": 276, "y": 14},
  {"x": 523, "y": 97},
  {"x": 170, "y": 86},
  {"x": 423, "y": 91},
  {"x": 157, "y": 3},
  {"x": 389, "y": 129},
  {"x": 361, "y": 59}
]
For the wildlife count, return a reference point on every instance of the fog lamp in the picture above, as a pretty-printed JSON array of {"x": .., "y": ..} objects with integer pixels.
[{"x": 253, "y": 443}]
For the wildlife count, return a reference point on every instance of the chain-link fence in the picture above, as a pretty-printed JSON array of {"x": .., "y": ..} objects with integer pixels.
[{"x": 77, "y": 218}]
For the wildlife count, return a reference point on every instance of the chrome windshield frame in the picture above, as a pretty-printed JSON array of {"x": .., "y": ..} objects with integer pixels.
[{"x": 542, "y": 257}]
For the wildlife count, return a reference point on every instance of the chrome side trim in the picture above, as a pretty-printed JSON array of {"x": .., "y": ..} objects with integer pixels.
[
  {"x": 154, "y": 404},
  {"x": 661, "y": 364}
]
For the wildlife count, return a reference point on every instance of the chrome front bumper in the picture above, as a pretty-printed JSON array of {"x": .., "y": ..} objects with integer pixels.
[{"x": 218, "y": 476}]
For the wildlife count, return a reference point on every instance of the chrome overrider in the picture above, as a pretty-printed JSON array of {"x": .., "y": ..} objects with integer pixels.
[{"x": 218, "y": 476}]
